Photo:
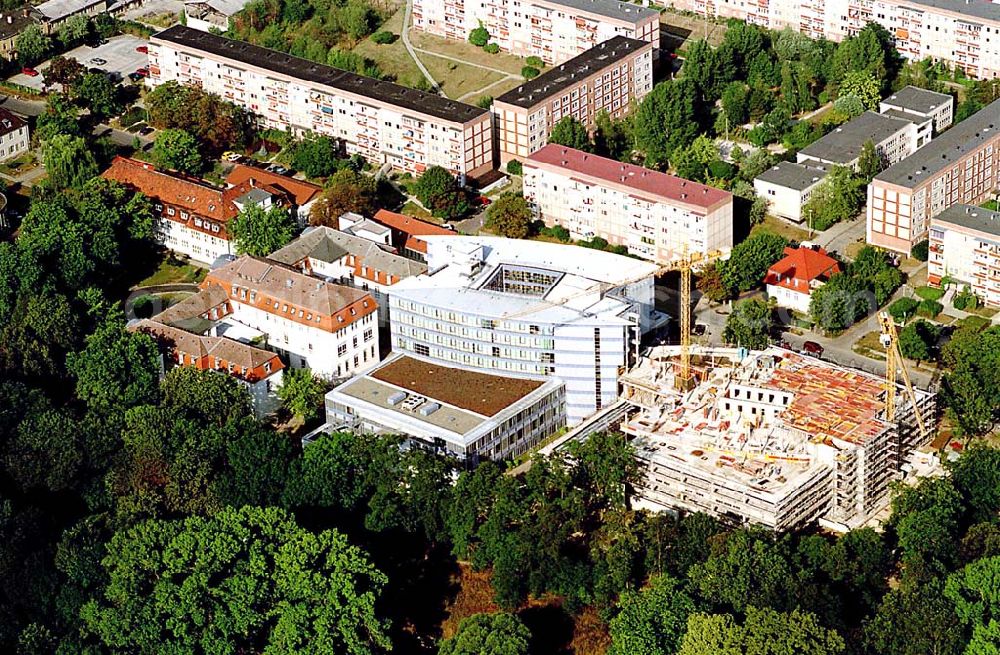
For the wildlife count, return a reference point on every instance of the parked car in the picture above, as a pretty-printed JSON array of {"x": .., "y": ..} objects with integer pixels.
[
  {"x": 97, "y": 61},
  {"x": 232, "y": 156},
  {"x": 699, "y": 329},
  {"x": 143, "y": 72},
  {"x": 146, "y": 131},
  {"x": 29, "y": 71},
  {"x": 143, "y": 49},
  {"x": 484, "y": 201},
  {"x": 812, "y": 348},
  {"x": 135, "y": 77},
  {"x": 276, "y": 168}
]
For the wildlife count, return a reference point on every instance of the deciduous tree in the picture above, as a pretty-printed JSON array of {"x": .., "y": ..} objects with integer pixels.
[
  {"x": 749, "y": 325},
  {"x": 301, "y": 393},
  {"x": 259, "y": 232},
  {"x": 489, "y": 634},
  {"x": 509, "y": 216},
  {"x": 177, "y": 150},
  {"x": 570, "y": 132}
]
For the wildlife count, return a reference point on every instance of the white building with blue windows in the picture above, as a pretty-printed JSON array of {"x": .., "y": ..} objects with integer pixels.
[{"x": 531, "y": 308}]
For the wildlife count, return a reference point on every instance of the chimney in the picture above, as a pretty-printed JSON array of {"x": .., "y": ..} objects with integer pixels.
[{"x": 288, "y": 283}]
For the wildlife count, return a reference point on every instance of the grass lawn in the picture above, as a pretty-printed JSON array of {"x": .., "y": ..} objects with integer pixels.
[
  {"x": 172, "y": 271},
  {"x": 929, "y": 293},
  {"x": 414, "y": 210},
  {"x": 465, "y": 51},
  {"x": 392, "y": 58},
  {"x": 457, "y": 79},
  {"x": 777, "y": 226},
  {"x": 685, "y": 29},
  {"x": 19, "y": 165},
  {"x": 985, "y": 312},
  {"x": 870, "y": 345}
]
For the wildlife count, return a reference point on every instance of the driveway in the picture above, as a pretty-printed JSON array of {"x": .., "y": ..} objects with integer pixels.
[
  {"x": 841, "y": 235},
  {"x": 119, "y": 53}
]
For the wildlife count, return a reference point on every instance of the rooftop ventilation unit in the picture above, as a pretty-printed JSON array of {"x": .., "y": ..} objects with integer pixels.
[
  {"x": 396, "y": 398},
  {"x": 428, "y": 408}
]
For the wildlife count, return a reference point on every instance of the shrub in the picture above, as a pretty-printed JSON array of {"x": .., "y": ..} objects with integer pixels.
[
  {"x": 556, "y": 232},
  {"x": 721, "y": 170},
  {"x": 919, "y": 251},
  {"x": 491, "y": 48},
  {"x": 529, "y": 72},
  {"x": 929, "y": 293},
  {"x": 143, "y": 306},
  {"x": 965, "y": 300},
  {"x": 903, "y": 309},
  {"x": 929, "y": 308},
  {"x": 479, "y": 37},
  {"x": 384, "y": 37},
  {"x": 536, "y": 62},
  {"x": 514, "y": 167},
  {"x": 484, "y": 102}
]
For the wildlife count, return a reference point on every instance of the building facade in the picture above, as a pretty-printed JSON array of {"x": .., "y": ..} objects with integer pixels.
[
  {"x": 259, "y": 371},
  {"x": 963, "y": 34},
  {"x": 14, "y": 136},
  {"x": 514, "y": 307},
  {"x": 962, "y": 166},
  {"x": 965, "y": 247},
  {"x": 609, "y": 77},
  {"x": 656, "y": 216},
  {"x": 329, "y": 328},
  {"x": 467, "y": 415},
  {"x": 386, "y": 123},
  {"x": 787, "y": 187},
  {"x": 555, "y": 30}
]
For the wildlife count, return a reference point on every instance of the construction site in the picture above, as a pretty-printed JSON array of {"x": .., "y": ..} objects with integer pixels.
[{"x": 770, "y": 437}]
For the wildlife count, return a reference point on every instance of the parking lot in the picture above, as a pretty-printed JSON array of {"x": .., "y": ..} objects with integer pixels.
[{"x": 119, "y": 53}]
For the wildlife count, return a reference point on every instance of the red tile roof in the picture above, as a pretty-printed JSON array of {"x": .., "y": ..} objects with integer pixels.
[
  {"x": 410, "y": 229},
  {"x": 799, "y": 267},
  {"x": 199, "y": 199},
  {"x": 656, "y": 185},
  {"x": 301, "y": 192}
]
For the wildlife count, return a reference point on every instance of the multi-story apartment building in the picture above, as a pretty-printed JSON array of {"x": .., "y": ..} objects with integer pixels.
[
  {"x": 962, "y": 166},
  {"x": 329, "y": 328},
  {"x": 922, "y": 104},
  {"x": 555, "y": 30},
  {"x": 965, "y": 247},
  {"x": 190, "y": 215},
  {"x": 259, "y": 370},
  {"x": 386, "y": 123},
  {"x": 609, "y": 77},
  {"x": 961, "y": 33},
  {"x": 14, "y": 138},
  {"x": 894, "y": 138},
  {"x": 655, "y": 215},
  {"x": 514, "y": 307},
  {"x": 335, "y": 255}
]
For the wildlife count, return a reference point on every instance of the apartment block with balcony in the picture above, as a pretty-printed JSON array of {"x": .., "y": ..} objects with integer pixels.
[
  {"x": 962, "y": 166},
  {"x": 965, "y": 247},
  {"x": 609, "y": 77},
  {"x": 408, "y": 129},
  {"x": 329, "y": 328},
  {"x": 555, "y": 30},
  {"x": 656, "y": 216},
  {"x": 963, "y": 34}
]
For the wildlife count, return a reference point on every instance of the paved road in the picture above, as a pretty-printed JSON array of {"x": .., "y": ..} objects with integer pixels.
[{"x": 841, "y": 235}]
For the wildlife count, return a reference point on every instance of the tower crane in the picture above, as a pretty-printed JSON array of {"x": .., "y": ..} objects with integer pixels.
[{"x": 893, "y": 360}]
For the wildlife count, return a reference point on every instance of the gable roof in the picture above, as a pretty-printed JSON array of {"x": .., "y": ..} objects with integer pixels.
[
  {"x": 328, "y": 245},
  {"x": 271, "y": 281},
  {"x": 301, "y": 192},
  {"x": 408, "y": 230},
  {"x": 800, "y": 266},
  {"x": 172, "y": 188},
  {"x": 228, "y": 350}
]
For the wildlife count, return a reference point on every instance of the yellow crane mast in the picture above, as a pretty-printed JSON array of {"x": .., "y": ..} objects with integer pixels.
[{"x": 894, "y": 361}]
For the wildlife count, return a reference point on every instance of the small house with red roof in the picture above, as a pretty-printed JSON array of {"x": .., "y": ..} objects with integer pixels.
[{"x": 791, "y": 280}]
